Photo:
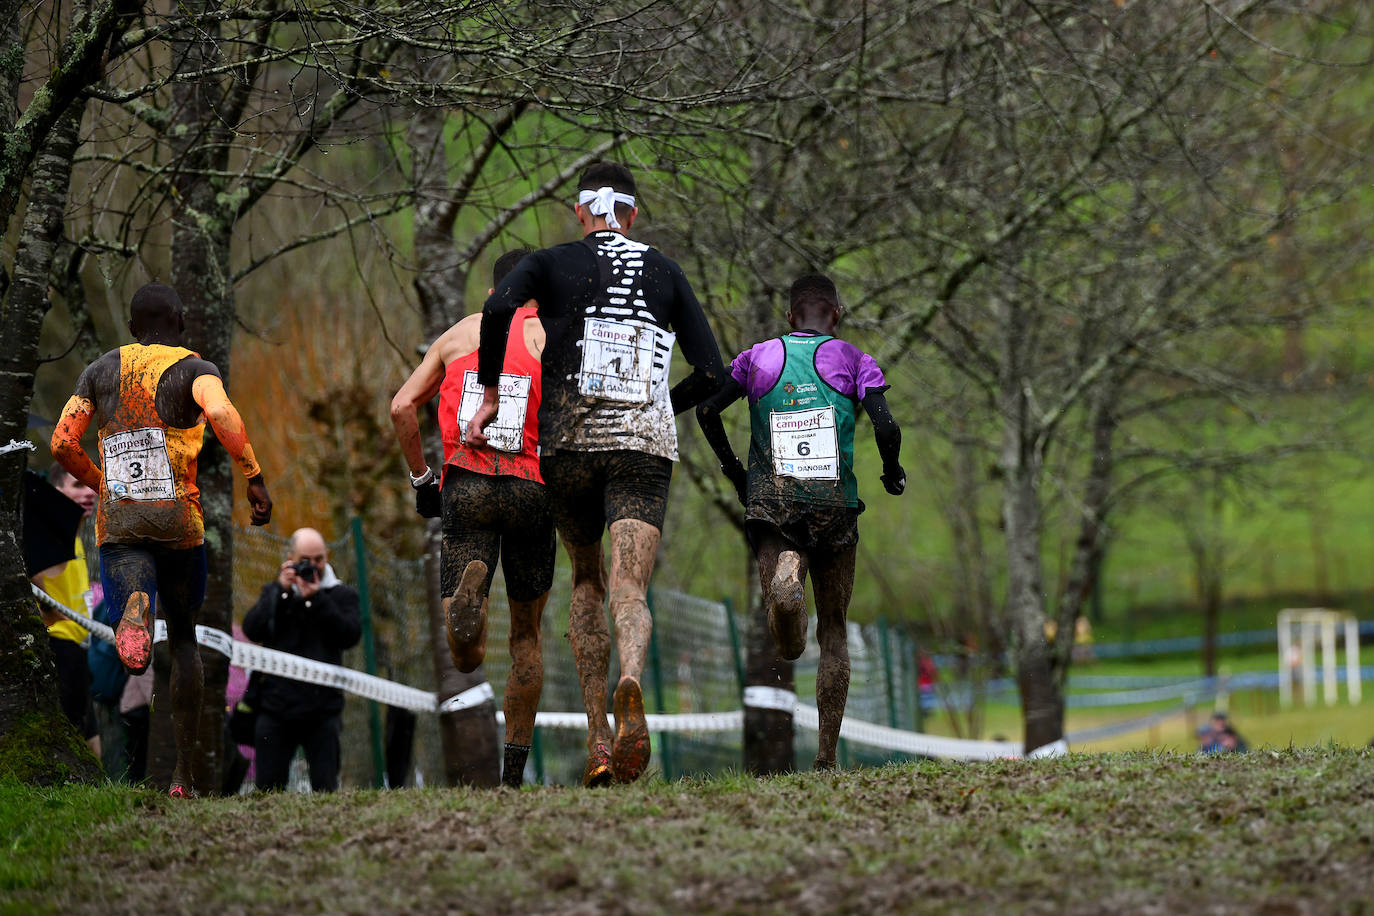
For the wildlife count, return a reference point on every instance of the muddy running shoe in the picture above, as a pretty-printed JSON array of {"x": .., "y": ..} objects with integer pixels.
[
  {"x": 465, "y": 618},
  {"x": 597, "y": 773},
  {"x": 132, "y": 639},
  {"x": 630, "y": 753},
  {"x": 787, "y": 607}
]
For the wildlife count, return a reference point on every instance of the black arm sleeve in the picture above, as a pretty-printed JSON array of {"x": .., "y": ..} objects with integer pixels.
[
  {"x": 525, "y": 282},
  {"x": 708, "y": 417},
  {"x": 885, "y": 429},
  {"x": 698, "y": 345}
]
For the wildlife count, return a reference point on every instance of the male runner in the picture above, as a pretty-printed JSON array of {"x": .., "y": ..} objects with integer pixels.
[
  {"x": 801, "y": 498},
  {"x": 492, "y": 504},
  {"x": 150, "y": 401},
  {"x": 606, "y": 431}
]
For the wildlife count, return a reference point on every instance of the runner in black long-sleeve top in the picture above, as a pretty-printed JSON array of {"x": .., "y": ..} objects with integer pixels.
[{"x": 612, "y": 309}]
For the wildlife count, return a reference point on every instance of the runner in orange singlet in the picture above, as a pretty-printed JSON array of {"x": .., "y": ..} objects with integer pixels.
[
  {"x": 492, "y": 504},
  {"x": 150, "y": 401}
]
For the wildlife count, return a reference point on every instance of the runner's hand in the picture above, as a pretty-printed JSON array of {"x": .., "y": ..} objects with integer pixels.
[
  {"x": 427, "y": 499},
  {"x": 260, "y": 502},
  {"x": 894, "y": 480},
  {"x": 476, "y": 435}
]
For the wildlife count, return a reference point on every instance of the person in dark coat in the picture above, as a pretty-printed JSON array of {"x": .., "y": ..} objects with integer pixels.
[{"x": 305, "y": 611}]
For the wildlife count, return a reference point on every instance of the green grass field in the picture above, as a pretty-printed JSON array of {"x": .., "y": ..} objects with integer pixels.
[{"x": 1275, "y": 832}]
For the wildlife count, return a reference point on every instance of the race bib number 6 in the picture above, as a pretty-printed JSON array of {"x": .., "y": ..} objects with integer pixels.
[
  {"x": 617, "y": 361},
  {"x": 804, "y": 444},
  {"x": 137, "y": 466},
  {"x": 507, "y": 432}
]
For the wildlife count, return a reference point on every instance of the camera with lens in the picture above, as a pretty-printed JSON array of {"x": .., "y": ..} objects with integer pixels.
[{"x": 306, "y": 570}]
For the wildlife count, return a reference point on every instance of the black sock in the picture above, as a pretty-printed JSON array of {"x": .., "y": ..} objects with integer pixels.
[{"x": 513, "y": 773}]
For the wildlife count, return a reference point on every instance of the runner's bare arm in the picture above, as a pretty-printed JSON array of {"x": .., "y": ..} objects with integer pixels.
[
  {"x": 698, "y": 345},
  {"x": 889, "y": 438},
  {"x": 708, "y": 417},
  {"x": 420, "y": 388},
  {"x": 66, "y": 441},
  {"x": 208, "y": 392}
]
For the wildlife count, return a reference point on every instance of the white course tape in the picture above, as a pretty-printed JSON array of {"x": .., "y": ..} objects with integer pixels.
[
  {"x": 16, "y": 445},
  {"x": 760, "y": 697},
  {"x": 270, "y": 661},
  {"x": 473, "y": 696}
]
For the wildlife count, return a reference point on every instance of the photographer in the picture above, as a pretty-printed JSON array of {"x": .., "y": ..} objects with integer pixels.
[{"x": 308, "y": 612}]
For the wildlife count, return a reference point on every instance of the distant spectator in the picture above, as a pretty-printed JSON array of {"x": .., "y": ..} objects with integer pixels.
[
  {"x": 1083, "y": 642},
  {"x": 69, "y": 583},
  {"x": 305, "y": 611},
  {"x": 1218, "y": 736}
]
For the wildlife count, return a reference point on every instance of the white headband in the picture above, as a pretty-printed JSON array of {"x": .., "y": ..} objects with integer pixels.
[{"x": 602, "y": 201}]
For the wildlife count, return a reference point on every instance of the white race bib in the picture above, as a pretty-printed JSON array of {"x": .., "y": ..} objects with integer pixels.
[
  {"x": 507, "y": 432},
  {"x": 804, "y": 444},
  {"x": 137, "y": 466},
  {"x": 617, "y": 361}
]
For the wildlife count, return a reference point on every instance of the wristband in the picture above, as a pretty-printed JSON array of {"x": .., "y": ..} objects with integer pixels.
[{"x": 418, "y": 482}]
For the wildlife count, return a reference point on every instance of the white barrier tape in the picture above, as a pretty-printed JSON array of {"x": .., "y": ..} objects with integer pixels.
[
  {"x": 209, "y": 637},
  {"x": 98, "y": 630},
  {"x": 17, "y": 446},
  {"x": 468, "y": 699},
  {"x": 1053, "y": 749},
  {"x": 894, "y": 739},
  {"x": 770, "y": 698}
]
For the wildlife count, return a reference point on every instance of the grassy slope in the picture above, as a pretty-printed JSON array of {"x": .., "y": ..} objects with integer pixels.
[{"x": 1086, "y": 833}]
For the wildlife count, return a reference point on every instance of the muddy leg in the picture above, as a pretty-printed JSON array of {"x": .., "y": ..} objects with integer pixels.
[
  {"x": 187, "y": 685},
  {"x": 526, "y": 679},
  {"x": 782, "y": 574},
  {"x": 832, "y": 581},
  {"x": 633, "y": 546},
  {"x": 591, "y": 645}
]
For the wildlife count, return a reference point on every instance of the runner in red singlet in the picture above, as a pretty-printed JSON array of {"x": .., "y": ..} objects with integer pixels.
[{"x": 492, "y": 504}]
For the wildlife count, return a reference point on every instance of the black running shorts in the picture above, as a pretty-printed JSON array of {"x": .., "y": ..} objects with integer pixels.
[
  {"x": 590, "y": 490},
  {"x": 489, "y": 516},
  {"x": 811, "y": 528}
]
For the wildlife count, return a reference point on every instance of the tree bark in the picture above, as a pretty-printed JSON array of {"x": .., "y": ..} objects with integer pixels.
[
  {"x": 38, "y": 744},
  {"x": 470, "y": 738},
  {"x": 767, "y": 732},
  {"x": 201, "y": 241},
  {"x": 1022, "y": 463}
]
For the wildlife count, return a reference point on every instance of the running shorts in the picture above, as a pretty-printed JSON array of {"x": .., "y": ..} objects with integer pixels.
[
  {"x": 588, "y": 491},
  {"x": 489, "y": 517}
]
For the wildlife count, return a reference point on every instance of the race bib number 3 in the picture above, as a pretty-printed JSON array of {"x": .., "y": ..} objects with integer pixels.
[
  {"x": 137, "y": 466},
  {"x": 617, "y": 361},
  {"x": 804, "y": 444},
  {"x": 507, "y": 432}
]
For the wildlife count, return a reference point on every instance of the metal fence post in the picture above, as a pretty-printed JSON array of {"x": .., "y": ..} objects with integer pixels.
[
  {"x": 736, "y": 650},
  {"x": 885, "y": 644},
  {"x": 665, "y": 747},
  {"x": 374, "y": 718}
]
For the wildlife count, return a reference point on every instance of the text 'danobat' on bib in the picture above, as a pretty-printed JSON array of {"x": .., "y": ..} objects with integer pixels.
[
  {"x": 507, "y": 432},
  {"x": 137, "y": 466},
  {"x": 617, "y": 361},
  {"x": 804, "y": 444}
]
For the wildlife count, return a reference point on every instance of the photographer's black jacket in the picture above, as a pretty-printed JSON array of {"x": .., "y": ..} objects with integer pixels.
[{"x": 319, "y": 628}]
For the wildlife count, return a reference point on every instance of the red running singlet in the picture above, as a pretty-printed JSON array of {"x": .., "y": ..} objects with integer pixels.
[{"x": 514, "y": 434}]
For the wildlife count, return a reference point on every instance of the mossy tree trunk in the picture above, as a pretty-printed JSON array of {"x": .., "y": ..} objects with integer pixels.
[
  {"x": 37, "y": 743},
  {"x": 470, "y": 739}
]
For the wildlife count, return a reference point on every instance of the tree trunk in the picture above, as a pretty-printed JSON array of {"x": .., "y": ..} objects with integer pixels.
[
  {"x": 470, "y": 738},
  {"x": 1087, "y": 556},
  {"x": 1022, "y": 463},
  {"x": 767, "y": 732},
  {"x": 37, "y": 743},
  {"x": 201, "y": 243}
]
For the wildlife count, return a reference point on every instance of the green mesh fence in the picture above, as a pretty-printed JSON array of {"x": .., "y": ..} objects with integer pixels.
[{"x": 693, "y": 667}]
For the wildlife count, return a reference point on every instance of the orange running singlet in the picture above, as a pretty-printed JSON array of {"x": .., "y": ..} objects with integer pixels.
[
  {"x": 148, "y": 487},
  {"x": 514, "y": 434}
]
